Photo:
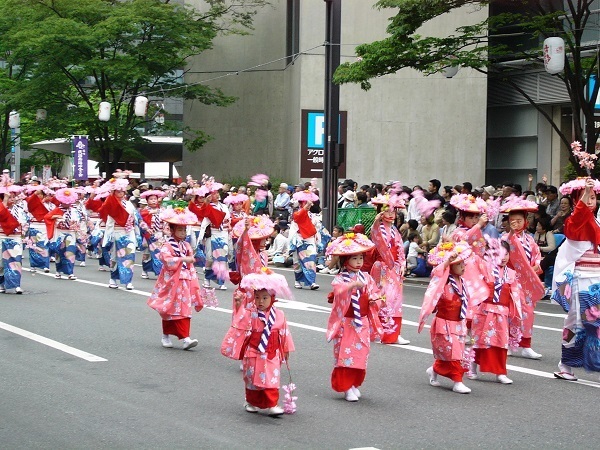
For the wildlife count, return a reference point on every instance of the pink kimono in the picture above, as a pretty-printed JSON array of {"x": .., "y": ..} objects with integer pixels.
[
  {"x": 491, "y": 320},
  {"x": 177, "y": 289},
  {"x": 477, "y": 274},
  {"x": 388, "y": 272},
  {"x": 532, "y": 286},
  {"x": 355, "y": 341},
  {"x": 263, "y": 370}
]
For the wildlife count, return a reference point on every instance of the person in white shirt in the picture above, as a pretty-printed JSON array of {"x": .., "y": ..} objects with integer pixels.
[
  {"x": 282, "y": 202},
  {"x": 414, "y": 250},
  {"x": 280, "y": 246}
]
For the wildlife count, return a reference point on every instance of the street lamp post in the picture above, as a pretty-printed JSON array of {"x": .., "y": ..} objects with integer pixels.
[
  {"x": 14, "y": 122},
  {"x": 333, "y": 20}
]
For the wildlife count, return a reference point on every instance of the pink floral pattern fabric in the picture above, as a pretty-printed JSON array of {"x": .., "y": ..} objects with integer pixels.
[{"x": 177, "y": 291}]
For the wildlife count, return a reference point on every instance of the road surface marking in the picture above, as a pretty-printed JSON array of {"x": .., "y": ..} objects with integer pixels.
[{"x": 51, "y": 343}]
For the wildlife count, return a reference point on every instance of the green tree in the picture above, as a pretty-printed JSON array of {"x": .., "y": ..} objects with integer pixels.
[
  {"x": 481, "y": 47},
  {"x": 74, "y": 54}
]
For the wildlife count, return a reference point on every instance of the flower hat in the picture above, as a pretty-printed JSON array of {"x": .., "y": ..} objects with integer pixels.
[
  {"x": 31, "y": 188},
  {"x": 7, "y": 185},
  {"x": 514, "y": 203},
  {"x": 469, "y": 204},
  {"x": 274, "y": 283},
  {"x": 444, "y": 251},
  {"x": 260, "y": 179},
  {"x": 151, "y": 192},
  {"x": 178, "y": 216},
  {"x": 576, "y": 185},
  {"x": 392, "y": 201},
  {"x": 116, "y": 184},
  {"x": 201, "y": 191},
  {"x": 305, "y": 196},
  {"x": 210, "y": 184},
  {"x": 67, "y": 196},
  {"x": 350, "y": 244},
  {"x": 260, "y": 227},
  {"x": 234, "y": 197}
]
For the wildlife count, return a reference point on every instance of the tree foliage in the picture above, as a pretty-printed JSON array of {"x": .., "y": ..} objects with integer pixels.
[
  {"x": 67, "y": 56},
  {"x": 480, "y": 46}
]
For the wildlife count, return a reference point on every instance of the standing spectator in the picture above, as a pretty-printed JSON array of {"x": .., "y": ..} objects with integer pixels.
[
  {"x": 412, "y": 210},
  {"x": 433, "y": 191},
  {"x": 552, "y": 202},
  {"x": 349, "y": 198},
  {"x": 565, "y": 208},
  {"x": 282, "y": 202},
  {"x": 361, "y": 200}
]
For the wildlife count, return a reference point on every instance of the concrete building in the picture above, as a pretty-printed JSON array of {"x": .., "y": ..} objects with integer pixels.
[{"x": 408, "y": 127}]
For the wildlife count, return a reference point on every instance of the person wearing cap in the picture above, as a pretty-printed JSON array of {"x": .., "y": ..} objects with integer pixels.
[
  {"x": 525, "y": 258},
  {"x": 12, "y": 218},
  {"x": 349, "y": 199},
  {"x": 448, "y": 296},
  {"x": 153, "y": 230},
  {"x": 354, "y": 322},
  {"x": 177, "y": 292},
  {"x": 490, "y": 328},
  {"x": 63, "y": 224},
  {"x": 390, "y": 262},
  {"x": 303, "y": 241},
  {"x": 576, "y": 281},
  {"x": 259, "y": 335},
  {"x": 282, "y": 202}
]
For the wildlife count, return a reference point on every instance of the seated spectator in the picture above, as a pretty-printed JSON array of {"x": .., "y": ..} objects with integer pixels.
[
  {"x": 430, "y": 233},
  {"x": 414, "y": 251},
  {"x": 565, "y": 208},
  {"x": 332, "y": 262},
  {"x": 279, "y": 250},
  {"x": 412, "y": 226},
  {"x": 448, "y": 226}
]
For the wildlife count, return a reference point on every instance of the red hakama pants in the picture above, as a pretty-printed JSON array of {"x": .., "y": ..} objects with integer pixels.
[
  {"x": 391, "y": 337},
  {"x": 449, "y": 369},
  {"x": 343, "y": 378},
  {"x": 179, "y": 327},
  {"x": 491, "y": 360},
  {"x": 263, "y": 398}
]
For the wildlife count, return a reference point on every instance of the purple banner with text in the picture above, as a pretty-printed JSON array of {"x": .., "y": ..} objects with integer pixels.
[{"x": 80, "y": 156}]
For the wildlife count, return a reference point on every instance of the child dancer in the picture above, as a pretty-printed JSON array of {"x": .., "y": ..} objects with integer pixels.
[
  {"x": 353, "y": 322},
  {"x": 390, "y": 264},
  {"x": 177, "y": 289},
  {"x": 525, "y": 257},
  {"x": 260, "y": 338},
  {"x": 490, "y": 329},
  {"x": 448, "y": 297}
]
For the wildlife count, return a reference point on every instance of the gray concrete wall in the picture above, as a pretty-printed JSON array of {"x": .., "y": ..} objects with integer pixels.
[{"x": 407, "y": 127}]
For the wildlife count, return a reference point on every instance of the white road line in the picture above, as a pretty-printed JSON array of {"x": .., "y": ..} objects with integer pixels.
[
  {"x": 51, "y": 343},
  {"x": 404, "y": 321}
]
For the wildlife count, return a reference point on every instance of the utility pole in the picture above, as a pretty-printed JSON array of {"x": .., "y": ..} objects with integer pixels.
[{"x": 333, "y": 20}]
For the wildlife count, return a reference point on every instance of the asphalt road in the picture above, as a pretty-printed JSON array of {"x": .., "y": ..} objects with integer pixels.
[{"x": 83, "y": 368}]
